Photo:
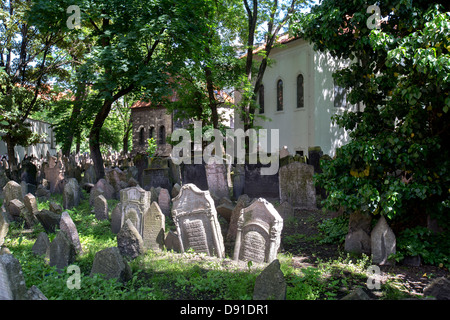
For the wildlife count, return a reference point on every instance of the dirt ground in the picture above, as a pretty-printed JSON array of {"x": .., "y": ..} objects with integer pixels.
[{"x": 307, "y": 252}]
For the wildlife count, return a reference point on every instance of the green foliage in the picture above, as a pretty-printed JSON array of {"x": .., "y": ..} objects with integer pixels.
[
  {"x": 432, "y": 247},
  {"x": 152, "y": 146},
  {"x": 396, "y": 163},
  {"x": 334, "y": 230}
]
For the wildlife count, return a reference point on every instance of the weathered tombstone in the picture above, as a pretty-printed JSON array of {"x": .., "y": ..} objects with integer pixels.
[
  {"x": 62, "y": 252},
  {"x": 383, "y": 243},
  {"x": 129, "y": 241},
  {"x": 153, "y": 228},
  {"x": 12, "y": 282},
  {"x": 55, "y": 177},
  {"x": 195, "y": 174},
  {"x": 101, "y": 208},
  {"x": 238, "y": 180},
  {"x": 71, "y": 194},
  {"x": 89, "y": 175},
  {"x": 134, "y": 202},
  {"x": 243, "y": 201},
  {"x": 175, "y": 190},
  {"x": 116, "y": 219},
  {"x": 164, "y": 201},
  {"x": 358, "y": 237},
  {"x": 35, "y": 294},
  {"x": 258, "y": 233},
  {"x": 4, "y": 227},
  {"x": 55, "y": 207},
  {"x": 111, "y": 264},
  {"x": 49, "y": 220},
  {"x": 66, "y": 225},
  {"x": 297, "y": 185},
  {"x": 216, "y": 175},
  {"x": 12, "y": 190},
  {"x": 270, "y": 283},
  {"x": 30, "y": 203},
  {"x": 285, "y": 210},
  {"x": 172, "y": 242},
  {"x": 41, "y": 246},
  {"x": 195, "y": 217},
  {"x": 225, "y": 208},
  {"x": 258, "y": 185}
]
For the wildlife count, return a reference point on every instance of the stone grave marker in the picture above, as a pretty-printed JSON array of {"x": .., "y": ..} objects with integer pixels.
[
  {"x": 172, "y": 242},
  {"x": 383, "y": 243},
  {"x": 67, "y": 225},
  {"x": 71, "y": 194},
  {"x": 116, "y": 219},
  {"x": 258, "y": 233},
  {"x": 101, "y": 208},
  {"x": 216, "y": 175},
  {"x": 41, "y": 246},
  {"x": 297, "y": 185},
  {"x": 4, "y": 227},
  {"x": 164, "y": 201},
  {"x": 270, "y": 283},
  {"x": 12, "y": 190},
  {"x": 62, "y": 252},
  {"x": 111, "y": 264},
  {"x": 12, "y": 282},
  {"x": 30, "y": 203},
  {"x": 195, "y": 217},
  {"x": 129, "y": 241},
  {"x": 49, "y": 220},
  {"x": 153, "y": 228},
  {"x": 134, "y": 202}
]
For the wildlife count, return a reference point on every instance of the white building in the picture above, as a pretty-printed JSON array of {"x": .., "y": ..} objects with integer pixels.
[
  {"x": 298, "y": 97},
  {"x": 38, "y": 150}
]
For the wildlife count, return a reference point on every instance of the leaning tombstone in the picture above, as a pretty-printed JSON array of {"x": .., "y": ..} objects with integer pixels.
[
  {"x": 49, "y": 220},
  {"x": 129, "y": 241},
  {"x": 164, "y": 201},
  {"x": 30, "y": 203},
  {"x": 196, "y": 221},
  {"x": 62, "y": 252},
  {"x": 153, "y": 228},
  {"x": 12, "y": 282},
  {"x": 41, "y": 246},
  {"x": 67, "y": 225},
  {"x": 111, "y": 264},
  {"x": 258, "y": 233}
]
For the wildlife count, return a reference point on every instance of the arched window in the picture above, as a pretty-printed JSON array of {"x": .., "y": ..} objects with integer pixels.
[
  {"x": 162, "y": 135},
  {"x": 261, "y": 99},
  {"x": 141, "y": 137},
  {"x": 280, "y": 95},
  {"x": 151, "y": 132},
  {"x": 300, "y": 91}
]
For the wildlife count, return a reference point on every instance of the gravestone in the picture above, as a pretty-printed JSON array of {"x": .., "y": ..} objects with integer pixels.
[
  {"x": 258, "y": 185},
  {"x": 156, "y": 177},
  {"x": 54, "y": 173},
  {"x": 164, "y": 201},
  {"x": 30, "y": 203},
  {"x": 55, "y": 207},
  {"x": 243, "y": 201},
  {"x": 285, "y": 210},
  {"x": 129, "y": 241},
  {"x": 62, "y": 252},
  {"x": 49, "y": 220},
  {"x": 195, "y": 174},
  {"x": 116, "y": 219},
  {"x": 12, "y": 190},
  {"x": 196, "y": 221},
  {"x": 101, "y": 208},
  {"x": 172, "y": 242},
  {"x": 258, "y": 232},
  {"x": 153, "y": 228},
  {"x": 297, "y": 185},
  {"x": 12, "y": 282},
  {"x": 71, "y": 194},
  {"x": 111, "y": 264},
  {"x": 358, "y": 237},
  {"x": 383, "y": 243},
  {"x": 238, "y": 180},
  {"x": 4, "y": 227},
  {"x": 66, "y": 225},
  {"x": 216, "y": 176},
  {"x": 41, "y": 246},
  {"x": 270, "y": 283},
  {"x": 134, "y": 202}
]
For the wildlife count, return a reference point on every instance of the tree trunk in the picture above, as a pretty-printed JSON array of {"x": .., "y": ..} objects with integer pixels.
[{"x": 11, "y": 154}]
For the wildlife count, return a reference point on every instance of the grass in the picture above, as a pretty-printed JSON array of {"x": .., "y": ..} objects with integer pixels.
[{"x": 167, "y": 275}]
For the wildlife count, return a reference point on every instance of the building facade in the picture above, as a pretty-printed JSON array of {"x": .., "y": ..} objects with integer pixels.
[{"x": 298, "y": 97}]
